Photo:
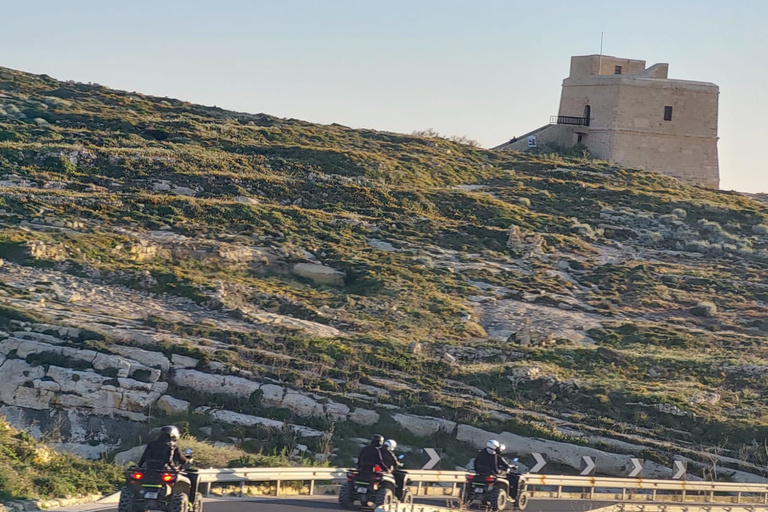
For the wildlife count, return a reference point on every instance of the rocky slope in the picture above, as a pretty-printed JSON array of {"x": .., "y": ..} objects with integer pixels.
[{"x": 270, "y": 283}]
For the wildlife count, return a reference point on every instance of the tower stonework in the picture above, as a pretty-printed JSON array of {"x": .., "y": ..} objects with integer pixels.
[{"x": 637, "y": 117}]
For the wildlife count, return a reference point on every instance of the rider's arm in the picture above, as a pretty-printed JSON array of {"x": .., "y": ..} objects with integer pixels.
[
  {"x": 178, "y": 457},
  {"x": 143, "y": 458}
]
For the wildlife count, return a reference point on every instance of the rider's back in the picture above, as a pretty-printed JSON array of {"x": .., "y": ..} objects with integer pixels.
[
  {"x": 159, "y": 454},
  {"x": 486, "y": 463}
]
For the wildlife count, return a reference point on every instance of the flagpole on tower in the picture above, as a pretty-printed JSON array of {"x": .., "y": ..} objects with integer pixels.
[{"x": 600, "y": 71}]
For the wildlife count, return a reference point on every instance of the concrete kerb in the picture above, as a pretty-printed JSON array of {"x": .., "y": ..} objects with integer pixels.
[{"x": 414, "y": 508}]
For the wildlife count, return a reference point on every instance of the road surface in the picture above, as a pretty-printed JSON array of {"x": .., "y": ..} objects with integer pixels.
[{"x": 307, "y": 503}]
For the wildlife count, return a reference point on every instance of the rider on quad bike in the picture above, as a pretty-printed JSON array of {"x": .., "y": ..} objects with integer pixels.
[
  {"x": 164, "y": 451},
  {"x": 163, "y": 480},
  {"x": 372, "y": 483},
  {"x": 495, "y": 480},
  {"x": 370, "y": 456},
  {"x": 393, "y": 465}
]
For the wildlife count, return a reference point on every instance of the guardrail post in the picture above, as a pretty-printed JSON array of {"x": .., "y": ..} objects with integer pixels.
[
  {"x": 208, "y": 489},
  {"x": 453, "y": 489},
  {"x": 277, "y": 488},
  {"x": 242, "y": 488},
  {"x": 418, "y": 489},
  {"x": 311, "y": 487},
  {"x": 738, "y": 497}
]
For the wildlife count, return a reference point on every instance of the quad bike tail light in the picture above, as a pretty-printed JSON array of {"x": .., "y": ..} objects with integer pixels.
[
  {"x": 490, "y": 479},
  {"x": 168, "y": 477},
  {"x": 137, "y": 475},
  {"x": 377, "y": 469}
]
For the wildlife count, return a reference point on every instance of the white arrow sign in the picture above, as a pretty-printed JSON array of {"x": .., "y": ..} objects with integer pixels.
[
  {"x": 434, "y": 458},
  {"x": 589, "y": 465},
  {"x": 540, "y": 463},
  {"x": 679, "y": 469},
  {"x": 637, "y": 467}
]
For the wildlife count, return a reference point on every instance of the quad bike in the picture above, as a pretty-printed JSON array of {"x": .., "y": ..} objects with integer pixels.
[
  {"x": 493, "y": 491},
  {"x": 161, "y": 489},
  {"x": 374, "y": 489}
]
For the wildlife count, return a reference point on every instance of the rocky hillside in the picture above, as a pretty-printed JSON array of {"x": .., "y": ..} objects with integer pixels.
[
  {"x": 29, "y": 469},
  {"x": 270, "y": 282}
]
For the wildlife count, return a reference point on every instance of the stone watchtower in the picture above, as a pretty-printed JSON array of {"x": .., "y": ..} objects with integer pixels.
[{"x": 637, "y": 117}]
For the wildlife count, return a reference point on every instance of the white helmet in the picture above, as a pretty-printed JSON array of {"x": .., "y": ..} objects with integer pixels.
[
  {"x": 502, "y": 448},
  {"x": 492, "y": 445},
  {"x": 390, "y": 444}
]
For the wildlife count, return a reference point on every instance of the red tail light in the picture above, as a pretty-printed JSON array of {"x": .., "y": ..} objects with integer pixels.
[
  {"x": 137, "y": 475},
  {"x": 377, "y": 469},
  {"x": 469, "y": 478},
  {"x": 490, "y": 479},
  {"x": 169, "y": 477}
]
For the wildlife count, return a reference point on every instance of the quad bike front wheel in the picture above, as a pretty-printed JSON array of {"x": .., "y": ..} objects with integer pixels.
[{"x": 522, "y": 501}]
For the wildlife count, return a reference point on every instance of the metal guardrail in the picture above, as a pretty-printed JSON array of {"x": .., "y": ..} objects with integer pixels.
[
  {"x": 637, "y": 489},
  {"x": 532, "y": 486},
  {"x": 311, "y": 474}
]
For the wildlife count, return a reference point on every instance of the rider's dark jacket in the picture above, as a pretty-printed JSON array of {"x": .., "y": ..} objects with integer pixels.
[
  {"x": 161, "y": 454},
  {"x": 369, "y": 457},
  {"x": 489, "y": 463}
]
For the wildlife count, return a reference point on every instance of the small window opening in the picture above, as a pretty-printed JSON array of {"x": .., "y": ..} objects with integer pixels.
[
  {"x": 667, "y": 113},
  {"x": 617, "y": 70},
  {"x": 580, "y": 138}
]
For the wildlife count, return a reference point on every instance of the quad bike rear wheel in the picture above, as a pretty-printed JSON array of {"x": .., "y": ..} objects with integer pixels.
[
  {"x": 197, "y": 506},
  {"x": 179, "y": 503},
  {"x": 346, "y": 500},
  {"x": 126, "y": 500},
  {"x": 407, "y": 497},
  {"x": 384, "y": 498},
  {"x": 498, "y": 499}
]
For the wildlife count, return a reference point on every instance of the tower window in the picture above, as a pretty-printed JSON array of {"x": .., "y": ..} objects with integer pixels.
[
  {"x": 667, "y": 113},
  {"x": 617, "y": 70}
]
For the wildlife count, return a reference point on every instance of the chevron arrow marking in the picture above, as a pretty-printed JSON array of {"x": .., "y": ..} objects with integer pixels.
[
  {"x": 637, "y": 467},
  {"x": 434, "y": 458},
  {"x": 679, "y": 470},
  {"x": 589, "y": 465},
  {"x": 540, "y": 462}
]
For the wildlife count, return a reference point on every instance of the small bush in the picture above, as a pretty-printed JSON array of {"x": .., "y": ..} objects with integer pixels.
[
  {"x": 705, "y": 309},
  {"x": 760, "y": 229},
  {"x": 524, "y": 201},
  {"x": 679, "y": 213}
]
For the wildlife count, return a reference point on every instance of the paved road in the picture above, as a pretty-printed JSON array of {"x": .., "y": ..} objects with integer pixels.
[{"x": 304, "y": 504}]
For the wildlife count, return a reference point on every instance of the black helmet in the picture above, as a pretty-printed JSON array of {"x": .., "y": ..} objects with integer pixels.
[
  {"x": 377, "y": 440},
  {"x": 170, "y": 432}
]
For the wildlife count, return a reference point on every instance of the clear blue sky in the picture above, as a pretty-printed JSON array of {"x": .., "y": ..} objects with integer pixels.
[{"x": 487, "y": 69}]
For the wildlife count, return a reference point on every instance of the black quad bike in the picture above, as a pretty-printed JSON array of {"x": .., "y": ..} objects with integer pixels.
[
  {"x": 374, "y": 489},
  {"x": 161, "y": 489},
  {"x": 494, "y": 491}
]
